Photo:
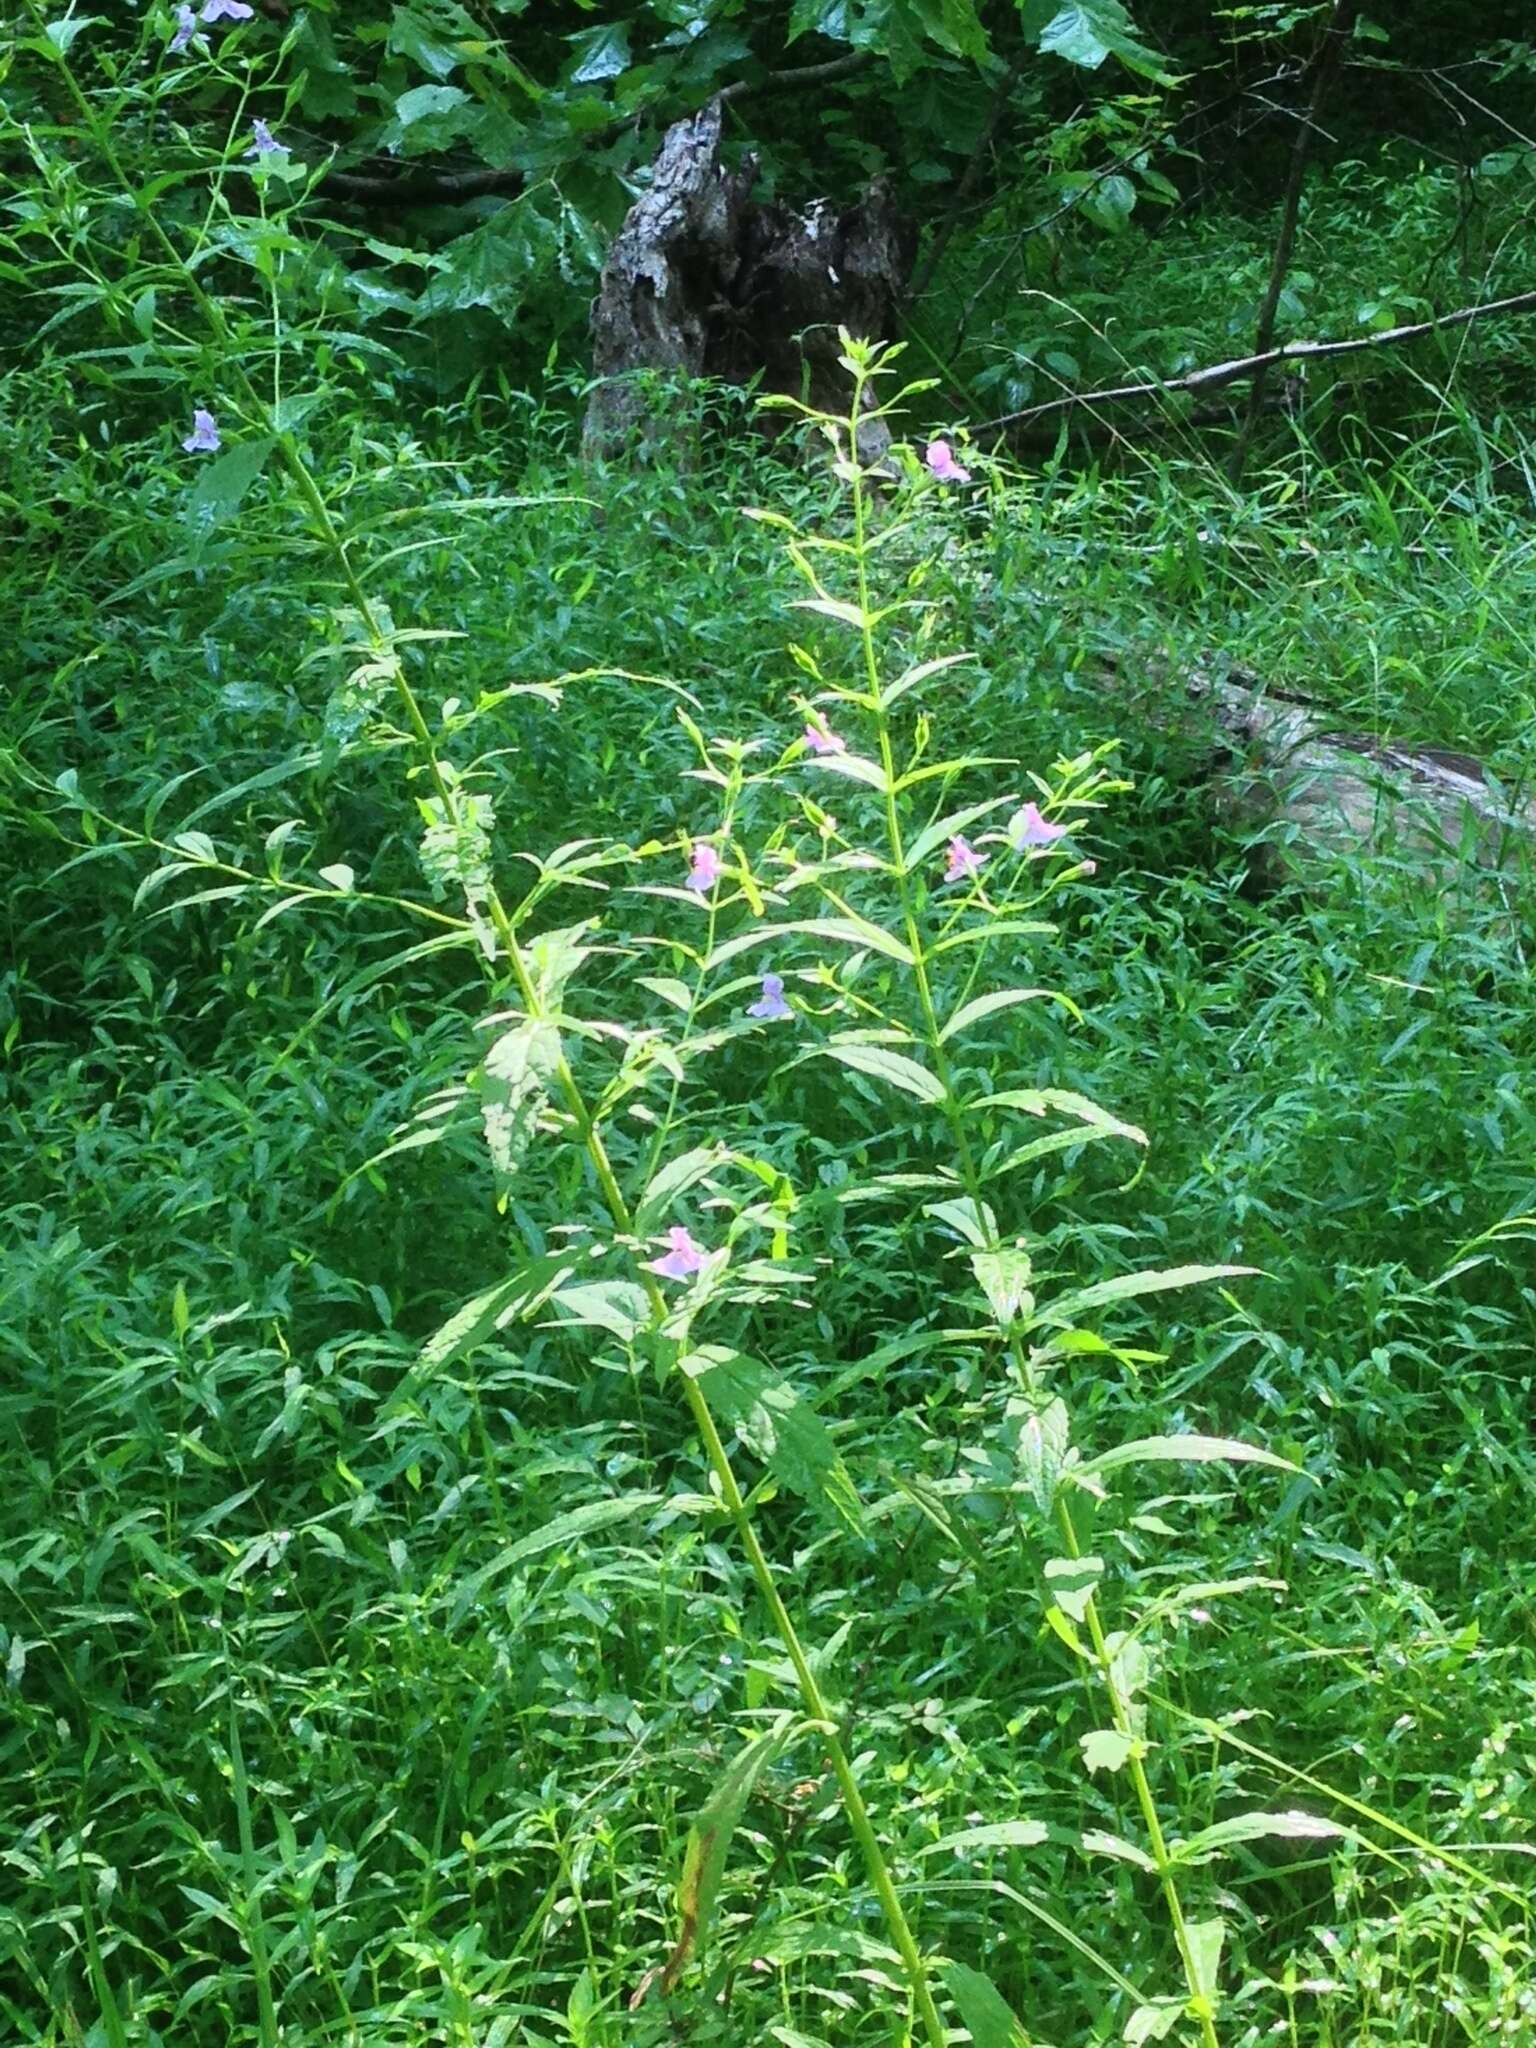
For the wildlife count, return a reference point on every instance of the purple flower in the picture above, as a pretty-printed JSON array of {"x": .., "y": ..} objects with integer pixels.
[
  {"x": 940, "y": 458},
  {"x": 820, "y": 737},
  {"x": 266, "y": 143},
  {"x": 204, "y": 437},
  {"x": 705, "y": 872},
  {"x": 683, "y": 1258},
  {"x": 771, "y": 1005},
  {"x": 226, "y": 10},
  {"x": 964, "y": 860},
  {"x": 186, "y": 29},
  {"x": 1028, "y": 828}
]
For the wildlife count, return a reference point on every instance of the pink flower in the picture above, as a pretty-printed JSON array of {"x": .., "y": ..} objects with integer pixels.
[
  {"x": 683, "y": 1257},
  {"x": 940, "y": 458},
  {"x": 820, "y": 737},
  {"x": 964, "y": 860},
  {"x": 1028, "y": 828},
  {"x": 771, "y": 1005},
  {"x": 705, "y": 872}
]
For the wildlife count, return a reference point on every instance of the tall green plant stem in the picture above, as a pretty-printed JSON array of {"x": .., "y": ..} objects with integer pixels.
[
  {"x": 970, "y": 1178},
  {"x": 584, "y": 1123}
]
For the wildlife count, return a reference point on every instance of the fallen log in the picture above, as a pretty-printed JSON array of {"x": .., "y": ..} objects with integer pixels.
[{"x": 1306, "y": 793}]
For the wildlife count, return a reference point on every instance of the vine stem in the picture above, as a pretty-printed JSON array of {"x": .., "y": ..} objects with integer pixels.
[
  {"x": 970, "y": 1178},
  {"x": 582, "y": 1119}
]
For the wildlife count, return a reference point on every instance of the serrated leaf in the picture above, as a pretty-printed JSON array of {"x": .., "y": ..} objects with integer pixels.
[
  {"x": 1088, "y": 32},
  {"x": 1254, "y": 1827},
  {"x": 987, "y": 2015},
  {"x": 881, "y": 1064},
  {"x": 973, "y": 1221},
  {"x": 709, "y": 1843},
  {"x": 512, "y": 1083},
  {"x": 1041, "y": 1454},
  {"x": 1105, "y": 1749},
  {"x": 618, "y": 1306},
  {"x": 498, "y": 1305},
  {"x": 1205, "y": 1939},
  {"x": 775, "y": 1422},
  {"x": 599, "y": 53},
  {"x": 1004, "y": 1274}
]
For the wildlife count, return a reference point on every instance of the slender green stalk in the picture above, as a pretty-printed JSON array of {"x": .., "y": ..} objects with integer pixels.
[{"x": 971, "y": 1181}]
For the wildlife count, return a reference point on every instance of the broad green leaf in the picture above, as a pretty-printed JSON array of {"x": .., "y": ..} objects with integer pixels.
[
  {"x": 1105, "y": 1749},
  {"x": 855, "y": 767},
  {"x": 618, "y": 1306},
  {"x": 1098, "y": 1843},
  {"x": 517, "y": 1295},
  {"x": 1090, "y": 31},
  {"x": 986, "y": 2013},
  {"x": 847, "y": 931},
  {"x": 974, "y": 1222},
  {"x": 1254, "y": 1827},
  {"x": 1041, "y": 1453},
  {"x": 1068, "y": 1307},
  {"x": 1183, "y": 1450},
  {"x": 1205, "y": 1938},
  {"x": 672, "y": 1180},
  {"x": 1005, "y": 999},
  {"x": 1153, "y": 2022},
  {"x": 423, "y": 101},
  {"x": 61, "y": 34},
  {"x": 881, "y": 1064},
  {"x": 911, "y": 677},
  {"x": 1004, "y": 1274},
  {"x": 599, "y": 53},
  {"x": 219, "y": 489},
  {"x": 709, "y": 1844},
  {"x": 1002, "y": 1834},
  {"x": 1071, "y": 1583},
  {"x": 512, "y": 1082},
  {"x": 777, "y": 1424}
]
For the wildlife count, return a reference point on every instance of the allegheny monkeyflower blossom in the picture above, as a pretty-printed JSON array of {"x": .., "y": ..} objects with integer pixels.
[
  {"x": 1029, "y": 828},
  {"x": 204, "y": 437},
  {"x": 682, "y": 1258},
  {"x": 771, "y": 1005},
  {"x": 186, "y": 29},
  {"x": 964, "y": 860},
  {"x": 266, "y": 143},
  {"x": 820, "y": 737},
  {"x": 940, "y": 458},
  {"x": 227, "y": 10},
  {"x": 705, "y": 871}
]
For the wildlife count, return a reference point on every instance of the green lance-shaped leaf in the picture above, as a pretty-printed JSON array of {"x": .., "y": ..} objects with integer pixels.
[
  {"x": 986, "y": 2013},
  {"x": 772, "y": 1420},
  {"x": 709, "y": 1843},
  {"x": 1126, "y": 1286},
  {"x": 881, "y": 1064},
  {"x": 220, "y": 487},
  {"x": 1254, "y": 1827},
  {"x": 1182, "y": 1450}
]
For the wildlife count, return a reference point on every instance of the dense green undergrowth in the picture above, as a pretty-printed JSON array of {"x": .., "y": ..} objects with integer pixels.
[{"x": 364, "y": 1688}]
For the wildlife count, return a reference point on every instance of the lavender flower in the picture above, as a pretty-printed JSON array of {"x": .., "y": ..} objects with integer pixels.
[
  {"x": 266, "y": 143},
  {"x": 771, "y": 1006},
  {"x": 964, "y": 860},
  {"x": 683, "y": 1257},
  {"x": 705, "y": 872},
  {"x": 1029, "y": 828},
  {"x": 940, "y": 458},
  {"x": 204, "y": 437},
  {"x": 226, "y": 10},
  {"x": 186, "y": 29}
]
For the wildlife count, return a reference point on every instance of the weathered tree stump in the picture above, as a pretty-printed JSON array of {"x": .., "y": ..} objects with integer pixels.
[
  {"x": 700, "y": 282},
  {"x": 1309, "y": 794}
]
